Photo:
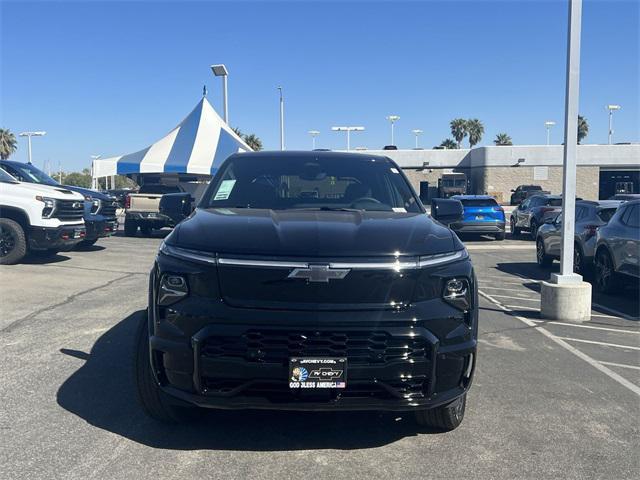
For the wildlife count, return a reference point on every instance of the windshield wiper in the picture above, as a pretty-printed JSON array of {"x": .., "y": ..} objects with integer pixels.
[{"x": 332, "y": 209}]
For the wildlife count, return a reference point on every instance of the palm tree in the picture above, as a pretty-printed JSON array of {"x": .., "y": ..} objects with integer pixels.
[
  {"x": 583, "y": 128},
  {"x": 503, "y": 139},
  {"x": 8, "y": 143},
  {"x": 238, "y": 132},
  {"x": 458, "y": 129},
  {"x": 449, "y": 144},
  {"x": 475, "y": 129},
  {"x": 253, "y": 141}
]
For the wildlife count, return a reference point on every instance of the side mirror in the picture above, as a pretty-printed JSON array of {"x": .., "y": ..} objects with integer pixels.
[
  {"x": 176, "y": 206},
  {"x": 446, "y": 210}
]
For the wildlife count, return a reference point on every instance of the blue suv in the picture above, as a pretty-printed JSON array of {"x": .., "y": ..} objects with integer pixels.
[
  {"x": 481, "y": 215},
  {"x": 99, "y": 209}
]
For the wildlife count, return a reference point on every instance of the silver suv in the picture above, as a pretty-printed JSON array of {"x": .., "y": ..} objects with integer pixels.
[
  {"x": 589, "y": 217},
  {"x": 618, "y": 248}
]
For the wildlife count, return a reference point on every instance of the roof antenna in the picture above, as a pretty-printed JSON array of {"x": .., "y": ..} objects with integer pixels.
[{"x": 204, "y": 90}]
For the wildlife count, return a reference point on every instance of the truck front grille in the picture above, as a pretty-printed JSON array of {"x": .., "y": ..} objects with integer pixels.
[
  {"x": 69, "y": 210},
  {"x": 109, "y": 208},
  {"x": 359, "y": 347}
]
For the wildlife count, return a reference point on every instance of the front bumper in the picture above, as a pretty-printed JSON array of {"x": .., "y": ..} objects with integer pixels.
[
  {"x": 478, "y": 227},
  {"x": 101, "y": 228},
  {"x": 63, "y": 237}
]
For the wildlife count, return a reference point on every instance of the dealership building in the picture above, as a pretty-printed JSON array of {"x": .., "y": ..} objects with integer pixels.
[{"x": 603, "y": 170}]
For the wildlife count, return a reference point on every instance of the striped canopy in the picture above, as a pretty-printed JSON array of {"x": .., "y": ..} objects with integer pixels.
[{"x": 198, "y": 145}]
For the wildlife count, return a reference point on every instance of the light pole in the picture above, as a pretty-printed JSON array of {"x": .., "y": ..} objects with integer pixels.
[
  {"x": 417, "y": 132},
  {"x": 314, "y": 134},
  {"x": 393, "y": 119},
  {"x": 29, "y": 135},
  {"x": 348, "y": 130},
  {"x": 281, "y": 119},
  {"x": 221, "y": 71},
  {"x": 548, "y": 124},
  {"x": 611, "y": 108}
]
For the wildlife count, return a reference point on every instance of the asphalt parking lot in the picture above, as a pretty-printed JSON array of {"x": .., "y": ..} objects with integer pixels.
[{"x": 549, "y": 400}]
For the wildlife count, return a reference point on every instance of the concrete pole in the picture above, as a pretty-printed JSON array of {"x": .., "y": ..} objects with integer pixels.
[
  {"x": 392, "y": 133},
  {"x": 548, "y": 134},
  {"x": 566, "y": 297},
  {"x": 610, "y": 125},
  {"x": 281, "y": 119}
]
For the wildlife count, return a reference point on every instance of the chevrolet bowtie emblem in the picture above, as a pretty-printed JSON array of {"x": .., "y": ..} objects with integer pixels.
[{"x": 319, "y": 273}]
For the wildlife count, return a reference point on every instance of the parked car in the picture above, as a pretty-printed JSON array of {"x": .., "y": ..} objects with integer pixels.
[
  {"x": 99, "y": 209},
  {"x": 618, "y": 248},
  {"x": 533, "y": 212},
  {"x": 351, "y": 299},
  {"x": 522, "y": 192},
  {"x": 37, "y": 218},
  {"x": 626, "y": 196},
  {"x": 481, "y": 215},
  {"x": 119, "y": 194},
  {"x": 142, "y": 209},
  {"x": 589, "y": 217}
]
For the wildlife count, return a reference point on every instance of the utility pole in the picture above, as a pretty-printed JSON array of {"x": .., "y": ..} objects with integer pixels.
[{"x": 281, "y": 119}]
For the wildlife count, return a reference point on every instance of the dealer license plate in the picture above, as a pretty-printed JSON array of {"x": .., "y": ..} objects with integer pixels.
[
  {"x": 77, "y": 233},
  {"x": 312, "y": 373}
]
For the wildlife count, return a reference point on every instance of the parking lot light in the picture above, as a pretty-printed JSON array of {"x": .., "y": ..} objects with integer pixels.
[
  {"x": 314, "y": 134},
  {"x": 348, "y": 130},
  {"x": 611, "y": 109},
  {"x": 548, "y": 124},
  {"x": 392, "y": 119},
  {"x": 221, "y": 71},
  {"x": 417, "y": 132},
  {"x": 29, "y": 135}
]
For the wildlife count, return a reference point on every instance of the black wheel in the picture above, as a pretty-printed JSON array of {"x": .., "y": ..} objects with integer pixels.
[
  {"x": 87, "y": 243},
  {"x": 500, "y": 236},
  {"x": 130, "y": 228},
  {"x": 447, "y": 417},
  {"x": 542, "y": 258},
  {"x": 533, "y": 228},
  {"x": 13, "y": 242},
  {"x": 154, "y": 401},
  {"x": 515, "y": 231},
  {"x": 146, "y": 230},
  {"x": 606, "y": 281}
]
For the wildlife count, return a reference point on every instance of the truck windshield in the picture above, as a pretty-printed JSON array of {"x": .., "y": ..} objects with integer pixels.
[
  {"x": 30, "y": 174},
  {"x": 6, "y": 178},
  {"x": 322, "y": 182}
]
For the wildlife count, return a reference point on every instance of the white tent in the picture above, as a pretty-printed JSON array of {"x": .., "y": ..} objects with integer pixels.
[{"x": 198, "y": 145}]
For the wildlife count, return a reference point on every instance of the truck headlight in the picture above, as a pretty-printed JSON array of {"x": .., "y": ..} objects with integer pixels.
[
  {"x": 457, "y": 293},
  {"x": 49, "y": 206},
  {"x": 172, "y": 289},
  {"x": 95, "y": 204}
]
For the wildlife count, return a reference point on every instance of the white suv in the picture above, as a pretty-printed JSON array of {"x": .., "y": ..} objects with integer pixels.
[{"x": 37, "y": 218}]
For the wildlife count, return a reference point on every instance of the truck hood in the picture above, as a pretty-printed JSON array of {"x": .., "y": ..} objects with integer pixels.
[
  {"x": 88, "y": 192},
  {"x": 312, "y": 233},
  {"x": 60, "y": 193}
]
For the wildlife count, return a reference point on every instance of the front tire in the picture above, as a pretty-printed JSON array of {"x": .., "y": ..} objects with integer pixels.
[
  {"x": 533, "y": 228},
  {"x": 500, "y": 236},
  {"x": 146, "y": 231},
  {"x": 13, "y": 242},
  {"x": 515, "y": 231},
  {"x": 446, "y": 418},
  {"x": 154, "y": 401},
  {"x": 542, "y": 258}
]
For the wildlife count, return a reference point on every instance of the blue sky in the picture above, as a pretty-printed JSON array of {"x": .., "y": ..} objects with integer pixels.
[{"x": 112, "y": 77}]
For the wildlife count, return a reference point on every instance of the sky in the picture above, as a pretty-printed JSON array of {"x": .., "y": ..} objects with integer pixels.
[{"x": 110, "y": 78}]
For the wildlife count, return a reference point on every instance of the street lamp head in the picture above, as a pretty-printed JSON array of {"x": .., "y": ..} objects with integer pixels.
[
  {"x": 393, "y": 118},
  {"x": 219, "y": 70},
  {"x": 347, "y": 129},
  {"x": 417, "y": 131},
  {"x": 549, "y": 123},
  {"x": 613, "y": 107},
  {"x": 32, "y": 134},
  {"x": 313, "y": 133}
]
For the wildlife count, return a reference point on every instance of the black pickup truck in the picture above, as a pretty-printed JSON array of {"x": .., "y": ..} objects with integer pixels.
[{"x": 310, "y": 281}]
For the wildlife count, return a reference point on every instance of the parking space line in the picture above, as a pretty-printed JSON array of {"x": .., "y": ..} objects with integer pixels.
[
  {"x": 621, "y": 365},
  {"x": 506, "y": 289},
  {"x": 615, "y": 312},
  {"x": 577, "y": 325},
  {"x": 511, "y": 277},
  {"x": 594, "y": 342},
  {"x": 570, "y": 348},
  {"x": 522, "y": 306},
  {"x": 518, "y": 298}
]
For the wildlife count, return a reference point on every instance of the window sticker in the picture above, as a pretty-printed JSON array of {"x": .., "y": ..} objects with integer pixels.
[
  {"x": 399, "y": 210},
  {"x": 225, "y": 189},
  {"x": 394, "y": 170}
]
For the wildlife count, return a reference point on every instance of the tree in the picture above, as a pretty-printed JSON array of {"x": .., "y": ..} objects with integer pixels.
[
  {"x": 238, "y": 131},
  {"x": 458, "y": 129},
  {"x": 253, "y": 141},
  {"x": 475, "y": 130},
  {"x": 77, "y": 179},
  {"x": 8, "y": 143},
  {"x": 583, "y": 128},
  {"x": 449, "y": 144},
  {"x": 503, "y": 139}
]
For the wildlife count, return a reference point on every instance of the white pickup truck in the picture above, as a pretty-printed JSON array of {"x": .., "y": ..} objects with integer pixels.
[{"x": 37, "y": 217}]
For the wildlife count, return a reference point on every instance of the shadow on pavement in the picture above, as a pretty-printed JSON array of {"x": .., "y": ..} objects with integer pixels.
[
  {"x": 43, "y": 258},
  {"x": 102, "y": 393}
]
